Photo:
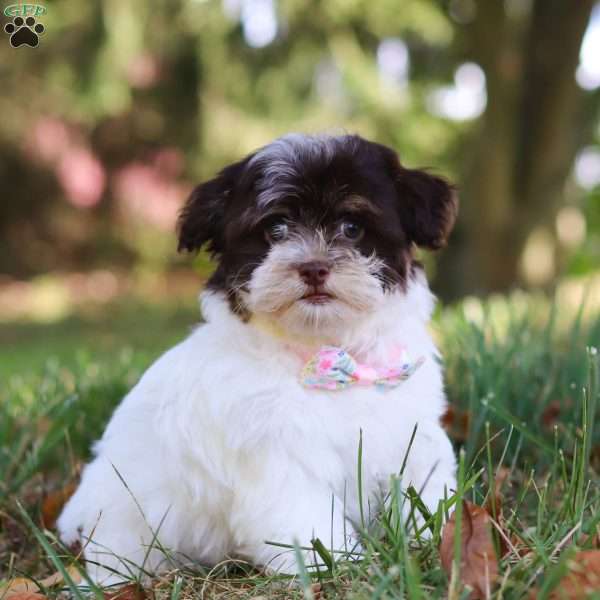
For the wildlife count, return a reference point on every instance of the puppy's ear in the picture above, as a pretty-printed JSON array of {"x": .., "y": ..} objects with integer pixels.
[
  {"x": 202, "y": 218},
  {"x": 427, "y": 204},
  {"x": 428, "y": 207}
]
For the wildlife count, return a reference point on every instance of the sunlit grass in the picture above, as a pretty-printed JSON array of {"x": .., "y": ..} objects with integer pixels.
[{"x": 522, "y": 379}]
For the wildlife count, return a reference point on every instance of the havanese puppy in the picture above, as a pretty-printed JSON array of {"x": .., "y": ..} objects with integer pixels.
[{"x": 315, "y": 334}]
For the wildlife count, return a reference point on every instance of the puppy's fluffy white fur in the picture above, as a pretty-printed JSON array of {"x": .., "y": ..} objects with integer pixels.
[{"x": 219, "y": 448}]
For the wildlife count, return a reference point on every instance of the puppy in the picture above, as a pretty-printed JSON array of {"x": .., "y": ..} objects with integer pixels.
[{"x": 315, "y": 333}]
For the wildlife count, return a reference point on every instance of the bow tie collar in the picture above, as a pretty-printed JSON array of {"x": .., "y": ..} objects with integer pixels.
[{"x": 332, "y": 368}]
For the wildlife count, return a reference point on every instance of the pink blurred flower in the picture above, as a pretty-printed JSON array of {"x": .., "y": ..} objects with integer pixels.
[
  {"x": 47, "y": 139},
  {"x": 79, "y": 172},
  {"x": 81, "y": 176},
  {"x": 143, "y": 71},
  {"x": 169, "y": 161},
  {"x": 147, "y": 193}
]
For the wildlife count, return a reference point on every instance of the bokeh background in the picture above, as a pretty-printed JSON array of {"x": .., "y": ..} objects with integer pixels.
[{"x": 124, "y": 105}]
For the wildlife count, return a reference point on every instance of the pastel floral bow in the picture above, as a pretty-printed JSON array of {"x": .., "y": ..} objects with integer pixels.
[{"x": 332, "y": 368}]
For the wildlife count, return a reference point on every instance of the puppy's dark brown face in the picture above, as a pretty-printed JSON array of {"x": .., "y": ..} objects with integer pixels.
[{"x": 314, "y": 231}]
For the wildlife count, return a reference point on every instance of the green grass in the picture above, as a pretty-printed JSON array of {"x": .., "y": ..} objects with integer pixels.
[
  {"x": 95, "y": 335},
  {"x": 522, "y": 377}
]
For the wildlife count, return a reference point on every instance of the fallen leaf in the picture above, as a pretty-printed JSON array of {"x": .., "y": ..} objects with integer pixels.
[
  {"x": 26, "y": 596},
  {"x": 582, "y": 579},
  {"x": 584, "y": 538},
  {"x": 54, "y": 502},
  {"x": 131, "y": 591},
  {"x": 494, "y": 503},
  {"x": 521, "y": 547},
  {"x": 478, "y": 562},
  {"x": 456, "y": 423},
  {"x": 494, "y": 506},
  {"x": 21, "y": 587},
  {"x": 551, "y": 414},
  {"x": 595, "y": 457}
]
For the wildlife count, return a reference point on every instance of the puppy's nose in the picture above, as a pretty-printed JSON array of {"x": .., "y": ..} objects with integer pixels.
[{"x": 314, "y": 273}]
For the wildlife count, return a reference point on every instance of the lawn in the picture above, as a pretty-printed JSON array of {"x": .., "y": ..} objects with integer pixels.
[{"x": 522, "y": 379}]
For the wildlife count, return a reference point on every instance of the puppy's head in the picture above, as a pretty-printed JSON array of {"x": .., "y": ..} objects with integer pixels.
[{"x": 313, "y": 232}]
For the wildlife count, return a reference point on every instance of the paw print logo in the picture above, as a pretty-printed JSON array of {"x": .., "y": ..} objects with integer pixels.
[{"x": 24, "y": 32}]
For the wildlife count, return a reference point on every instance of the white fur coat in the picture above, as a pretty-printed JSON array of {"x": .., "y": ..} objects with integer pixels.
[{"x": 219, "y": 448}]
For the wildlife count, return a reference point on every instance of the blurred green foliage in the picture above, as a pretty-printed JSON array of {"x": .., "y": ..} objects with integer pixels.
[{"x": 124, "y": 105}]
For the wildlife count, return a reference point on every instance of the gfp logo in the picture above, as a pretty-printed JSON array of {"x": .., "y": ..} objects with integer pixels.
[
  {"x": 25, "y": 10},
  {"x": 24, "y": 29}
]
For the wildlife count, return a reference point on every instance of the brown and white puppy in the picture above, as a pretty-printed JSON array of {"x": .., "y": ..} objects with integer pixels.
[{"x": 230, "y": 440}]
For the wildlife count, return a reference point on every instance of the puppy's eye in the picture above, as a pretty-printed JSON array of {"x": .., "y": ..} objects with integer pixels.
[
  {"x": 351, "y": 230},
  {"x": 277, "y": 232}
]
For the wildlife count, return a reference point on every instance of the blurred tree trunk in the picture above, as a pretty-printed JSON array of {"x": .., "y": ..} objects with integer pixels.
[{"x": 524, "y": 148}]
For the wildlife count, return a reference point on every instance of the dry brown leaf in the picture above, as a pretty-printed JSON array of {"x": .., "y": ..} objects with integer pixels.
[
  {"x": 584, "y": 538},
  {"x": 448, "y": 418},
  {"x": 595, "y": 457},
  {"x": 495, "y": 501},
  {"x": 53, "y": 504},
  {"x": 19, "y": 587},
  {"x": 551, "y": 414},
  {"x": 508, "y": 540},
  {"x": 582, "y": 579},
  {"x": 478, "y": 562},
  {"x": 456, "y": 423},
  {"x": 494, "y": 507},
  {"x": 131, "y": 591},
  {"x": 501, "y": 478},
  {"x": 26, "y": 596},
  {"x": 522, "y": 548}
]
